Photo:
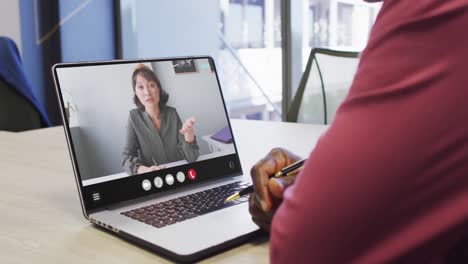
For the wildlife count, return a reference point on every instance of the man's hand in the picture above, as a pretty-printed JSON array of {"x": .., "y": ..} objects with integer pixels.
[
  {"x": 268, "y": 193},
  {"x": 187, "y": 130}
]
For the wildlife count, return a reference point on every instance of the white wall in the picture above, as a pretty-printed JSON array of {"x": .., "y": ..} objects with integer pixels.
[
  {"x": 194, "y": 94},
  {"x": 10, "y": 21},
  {"x": 104, "y": 97}
]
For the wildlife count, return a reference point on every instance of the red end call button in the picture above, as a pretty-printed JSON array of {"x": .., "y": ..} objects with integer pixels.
[{"x": 192, "y": 174}]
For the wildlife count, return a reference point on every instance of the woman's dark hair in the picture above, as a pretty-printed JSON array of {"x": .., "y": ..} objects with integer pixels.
[{"x": 148, "y": 74}]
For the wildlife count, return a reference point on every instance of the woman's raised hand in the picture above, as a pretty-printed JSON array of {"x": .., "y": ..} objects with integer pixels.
[{"x": 187, "y": 130}]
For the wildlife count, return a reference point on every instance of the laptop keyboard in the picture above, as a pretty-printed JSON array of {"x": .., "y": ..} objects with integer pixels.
[{"x": 186, "y": 207}]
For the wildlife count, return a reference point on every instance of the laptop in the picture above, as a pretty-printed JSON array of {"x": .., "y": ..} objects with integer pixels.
[{"x": 138, "y": 175}]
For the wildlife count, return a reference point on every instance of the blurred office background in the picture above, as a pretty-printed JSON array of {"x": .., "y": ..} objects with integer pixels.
[{"x": 260, "y": 47}]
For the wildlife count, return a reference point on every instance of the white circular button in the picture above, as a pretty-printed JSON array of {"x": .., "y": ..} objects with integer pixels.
[
  {"x": 169, "y": 179},
  {"x": 158, "y": 182},
  {"x": 146, "y": 184},
  {"x": 180, "y": 176}
]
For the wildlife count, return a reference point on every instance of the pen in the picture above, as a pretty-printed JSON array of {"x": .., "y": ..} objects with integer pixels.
[
  {"x": 154, "y": 162},
  {"x": 281, "y": 173}
]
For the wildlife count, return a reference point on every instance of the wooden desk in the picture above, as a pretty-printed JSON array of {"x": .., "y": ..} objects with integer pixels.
[{"x": 41, "y": 219}]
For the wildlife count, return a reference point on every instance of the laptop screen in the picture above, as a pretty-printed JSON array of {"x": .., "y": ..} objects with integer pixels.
[{"x": 137, "y": 128}]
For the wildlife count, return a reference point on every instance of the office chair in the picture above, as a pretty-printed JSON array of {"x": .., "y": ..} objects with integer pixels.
[
  {"x": 323, "y": 86},
  {"x": 19, "y": 109}
]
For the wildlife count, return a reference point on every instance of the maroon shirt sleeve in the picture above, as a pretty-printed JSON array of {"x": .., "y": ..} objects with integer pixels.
[{"x": 389, "y": 179}]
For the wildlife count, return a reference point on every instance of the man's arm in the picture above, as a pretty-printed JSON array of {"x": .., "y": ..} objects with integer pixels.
[
  {"x": 343, "y": 198},
  {"x": 390, "y": 174}
]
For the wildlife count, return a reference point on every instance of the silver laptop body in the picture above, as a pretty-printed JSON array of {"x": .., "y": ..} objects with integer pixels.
[{"x": 95, "y": 101}]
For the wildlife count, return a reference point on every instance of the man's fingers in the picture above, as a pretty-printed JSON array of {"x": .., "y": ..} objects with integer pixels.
[
  {"x": 277, "y": 186},
  {"x": 260, "y": 175},
  {"x": 259, "y": 217},
  {"x": 264, "y": 169},
  {"x": 283, "y": 157}
]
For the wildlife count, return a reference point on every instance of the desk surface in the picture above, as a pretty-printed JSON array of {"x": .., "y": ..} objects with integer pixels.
[{"x": 41, "y": 219}]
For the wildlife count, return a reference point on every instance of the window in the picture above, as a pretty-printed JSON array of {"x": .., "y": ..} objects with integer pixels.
[
  {"x": 243, "y": 36},
  {"x": 338, "y": 24},
  {"x": 245, "y": 39},
  {"x": 250, "y": 58}
]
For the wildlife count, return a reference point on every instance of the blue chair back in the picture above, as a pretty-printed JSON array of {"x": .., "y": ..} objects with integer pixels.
[{"x": 13, "y": 77}]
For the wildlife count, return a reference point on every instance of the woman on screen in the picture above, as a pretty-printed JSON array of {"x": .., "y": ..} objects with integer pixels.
[{"x": 155, "y": 133}]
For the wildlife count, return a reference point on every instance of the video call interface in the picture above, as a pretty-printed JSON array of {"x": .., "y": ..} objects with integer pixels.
[{"x": 151, "y": 123}]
